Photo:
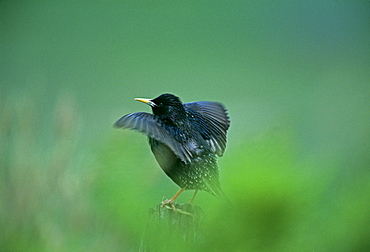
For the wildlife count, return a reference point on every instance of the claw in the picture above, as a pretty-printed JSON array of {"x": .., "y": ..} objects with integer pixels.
[
  {"x": 165, "y": 203},
  {"x": 170, "y": 201}
]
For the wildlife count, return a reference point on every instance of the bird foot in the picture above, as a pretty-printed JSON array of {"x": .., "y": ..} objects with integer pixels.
[
  {"x": 168, "y": 201},
  {"x": 184, "y": 212},
  {"x": 190, "y": 202},
  {"x": 169, "y": 204}
]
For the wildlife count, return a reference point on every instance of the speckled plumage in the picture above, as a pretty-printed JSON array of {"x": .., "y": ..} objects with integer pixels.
[{"x": 184, "y": 138}]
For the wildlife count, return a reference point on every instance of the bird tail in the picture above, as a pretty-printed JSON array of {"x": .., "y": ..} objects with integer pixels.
[
  {"x": 219, "y": 193},
  {"x": 224, "y": 197}
]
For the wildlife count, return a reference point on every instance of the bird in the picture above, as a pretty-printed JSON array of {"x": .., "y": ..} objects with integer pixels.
[{"x": 185, "y": 138}]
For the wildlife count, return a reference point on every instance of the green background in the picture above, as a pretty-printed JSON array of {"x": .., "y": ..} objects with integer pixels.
[{"x": 294, "y": 75}]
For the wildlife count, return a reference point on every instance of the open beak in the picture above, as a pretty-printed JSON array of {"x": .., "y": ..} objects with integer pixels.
[{"x": 147, "y": 101}]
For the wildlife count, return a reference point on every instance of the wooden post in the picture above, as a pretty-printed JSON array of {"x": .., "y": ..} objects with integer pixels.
[{"x": 172, "y": 229}]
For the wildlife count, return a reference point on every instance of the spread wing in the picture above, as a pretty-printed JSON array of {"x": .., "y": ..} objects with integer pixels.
[
  {"x": 212, "y": 120},
  {"x": 154, "y": 128}
]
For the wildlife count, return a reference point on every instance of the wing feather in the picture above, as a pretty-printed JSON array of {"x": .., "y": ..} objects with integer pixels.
[
  {"x": 214, "y": 123},
  {"x": 152, "y": 127}
]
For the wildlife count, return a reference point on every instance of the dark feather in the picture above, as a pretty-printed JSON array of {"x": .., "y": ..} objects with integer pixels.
[
  {"x": 213, "y": 122},
  {"x": 154, "y": 128}
]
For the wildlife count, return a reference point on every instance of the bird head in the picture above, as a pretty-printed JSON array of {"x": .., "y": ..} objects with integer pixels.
[{"x": 166, "y": 106}]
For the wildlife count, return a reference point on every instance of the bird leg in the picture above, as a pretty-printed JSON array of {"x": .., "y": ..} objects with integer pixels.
[
  {"x": 170, "y": 201},
  {"x": 192, "y": 199}
]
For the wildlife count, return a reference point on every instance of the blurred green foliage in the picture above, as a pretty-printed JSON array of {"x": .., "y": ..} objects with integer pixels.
[{"x": 294, "y": 77}]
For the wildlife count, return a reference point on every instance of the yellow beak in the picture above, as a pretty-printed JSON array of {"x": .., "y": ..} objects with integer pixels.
[{"x": 147, "y": 101}]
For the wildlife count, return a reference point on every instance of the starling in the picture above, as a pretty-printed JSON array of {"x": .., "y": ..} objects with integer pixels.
[{"x": 185, "y": 140}]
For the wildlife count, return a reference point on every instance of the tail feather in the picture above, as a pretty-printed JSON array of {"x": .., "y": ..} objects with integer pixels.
[{"x": 218, "y": 192}]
